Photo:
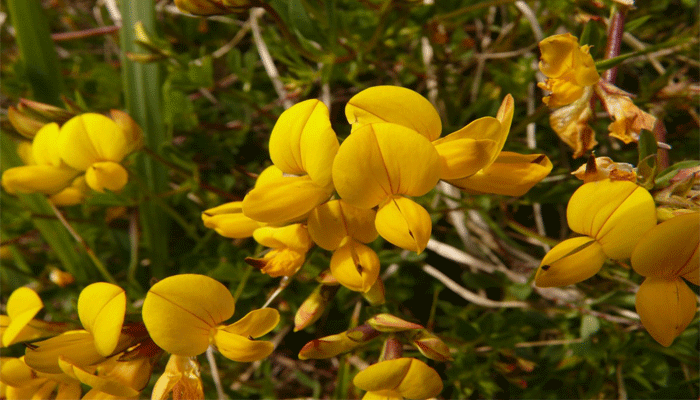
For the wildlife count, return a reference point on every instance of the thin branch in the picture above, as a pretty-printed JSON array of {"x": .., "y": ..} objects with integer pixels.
[
  {"x": 468, "y": 295},
  {"x": 215, "y": 373},
  {"x": 266, "y": 58}
]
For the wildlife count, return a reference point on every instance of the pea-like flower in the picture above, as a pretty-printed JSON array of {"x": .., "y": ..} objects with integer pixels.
[
  {"x": 96, "y": 144},
  {"x": 302, "y": 146},
  {"x": 665, "y": 254},
  {"x": 289, "y": 246},
  {"x": 182, "y": 377},
  {"x": 184, "y": 313},
  {"x": 612, "y": 216},
  {"x": 399, "y": 378},
  {"x": 229, "y": 221},
  {"x": 342, "y": 228}
]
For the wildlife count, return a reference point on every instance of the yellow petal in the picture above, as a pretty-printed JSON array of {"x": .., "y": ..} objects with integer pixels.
[
  {"x": 45, "y": 179},
  {"x": 332, "y": 221},
  {"x": 666, "y": 307},
  {"x": 44, "y": 150},
  {"x": 78, "y": 346},
  {"x": 106, "y": 175},
  {"x": 255, "y": 324},
  {"x": 405, "y": 377},
  {"x": 22, "y": 305},
  {"x": 569, "y": 262},
  {"x": 239, "y": 348},
  {"x": 381, "y": 159},
  {"x": 396, "y": 105},
  {"x": 269, "y": 175},
  {"x": 286, "y": 199},
  {"x": 464, "y": 157},
  {"x": 355, "y": 266},
  {"x": 180, "y": 311},
  {"x": 512, "y": 174},
  {"x": 101, "y": 308},
  {"x": 570, "y": 122},
  {"x": 131, "y": 130},
  {"x": 670, "y": 249},
  {"x": 295, "y": 236},
  {"x": 89, "y": 138},
  {"x": 228, "y": 220},
  {"x": 562, "y": 55},
  {"x": 404, "y": 223},
  {"x": 616, "y": 213},
  {"x": 303, "y": 142},
  {"x": 182, "y": 377}
]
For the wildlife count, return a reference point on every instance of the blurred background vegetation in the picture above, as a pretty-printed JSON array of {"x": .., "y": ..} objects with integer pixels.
[{"x": 200, "y": 89}]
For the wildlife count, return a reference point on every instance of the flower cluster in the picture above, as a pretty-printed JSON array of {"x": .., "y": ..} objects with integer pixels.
[
  {"x": 181, "y": 314},
  {"x": 85, "y": 152},
  {"x": 572, "y": 82},
  {"x": 393, "y": 154}
]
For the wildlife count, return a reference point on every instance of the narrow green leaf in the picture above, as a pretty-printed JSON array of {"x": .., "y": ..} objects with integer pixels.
[
  {"x": 612, "y": 62},
  {"x": 142, "y": 88},
  {"x": 36, "y": 50}
]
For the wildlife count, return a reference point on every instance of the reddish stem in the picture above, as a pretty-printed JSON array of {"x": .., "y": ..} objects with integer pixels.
[
  {"x": 103, "y": 30},
  {"x": 612, "y": 49}
]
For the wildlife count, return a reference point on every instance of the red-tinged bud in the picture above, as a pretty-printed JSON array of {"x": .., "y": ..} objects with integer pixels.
[
  {"x": 431, "y": 346},
  {"x": 390, "y": 323},
  {"x": 23, "y": 123},
  {"x": 312, "y": 308},
  {"x": 504, "y": 368},
  {"x": 327, "y": 347},
  {"x": 375, "y": 294},
  {"x": 134, "y": 133},
  {"x": 525, "y": 365},
  {"x": 46, "y": 111}
]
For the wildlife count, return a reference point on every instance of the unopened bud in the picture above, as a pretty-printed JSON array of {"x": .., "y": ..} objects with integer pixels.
[
  {"x": 392, "y": 349},
  {"x": 390, "y": 323},
  {"x": 312, "y": 308},
  {"x": 431, "y": 346},
  {"x": 24, "y": 124},
  {"x": 61, "y": 278},
  {"x": 327, "y": 347}
]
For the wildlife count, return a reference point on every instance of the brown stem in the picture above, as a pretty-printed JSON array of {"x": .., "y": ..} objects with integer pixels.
[
  {"x": 612, "y": 49},
  {"x": 103, "y": 30}
]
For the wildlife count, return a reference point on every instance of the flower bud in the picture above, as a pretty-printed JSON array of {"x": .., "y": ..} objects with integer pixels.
[
  {"x": 312, "y": 308},
  {"x": 431, "y": 346},
  {"x": 390, "y": 323}
]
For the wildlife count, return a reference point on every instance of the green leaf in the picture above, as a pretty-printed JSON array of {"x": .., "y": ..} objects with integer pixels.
[
  {"x": 664, "y": 177},
  {"x": 647, "y": 165},
  {"x": 36, "y": 50}
]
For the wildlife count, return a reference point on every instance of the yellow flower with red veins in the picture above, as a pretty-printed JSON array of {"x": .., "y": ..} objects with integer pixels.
[
  {"x": 665, "y": 254},
  {"x": 302, "y": 147},
  {"x": 289, "y": 246},
  {"x": 342, "y": 228},
  {"x": 612, "y": 216},
  {"x": 184, "y": 315},
  {"x": 399, "y": 378}
]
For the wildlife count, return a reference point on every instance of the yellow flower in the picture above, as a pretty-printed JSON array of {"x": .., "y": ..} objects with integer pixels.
[
  {"x": 183, "y": 315},
  {"x": 665, "y": 306},
  {"x": 570, "y": 69},
  {"x": 302, "y": 146},
  {"x": 22, "y": 305},
  {"x": 612, "y": 216},
  {"x": 399, "y": 378},
  {"x": 380, "y": 163},
  {"x": 289, "y": 246},
  {"x": 629, "y": 119},
  {"x": 45, "y": 172},
  {"x": 96, "y": 144},
  {"x": 342, "y": 228},
  {"x": 182, "y": 377},
  {"x": 599, "y": 168},
  {"x": 111, "y": 379}
]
